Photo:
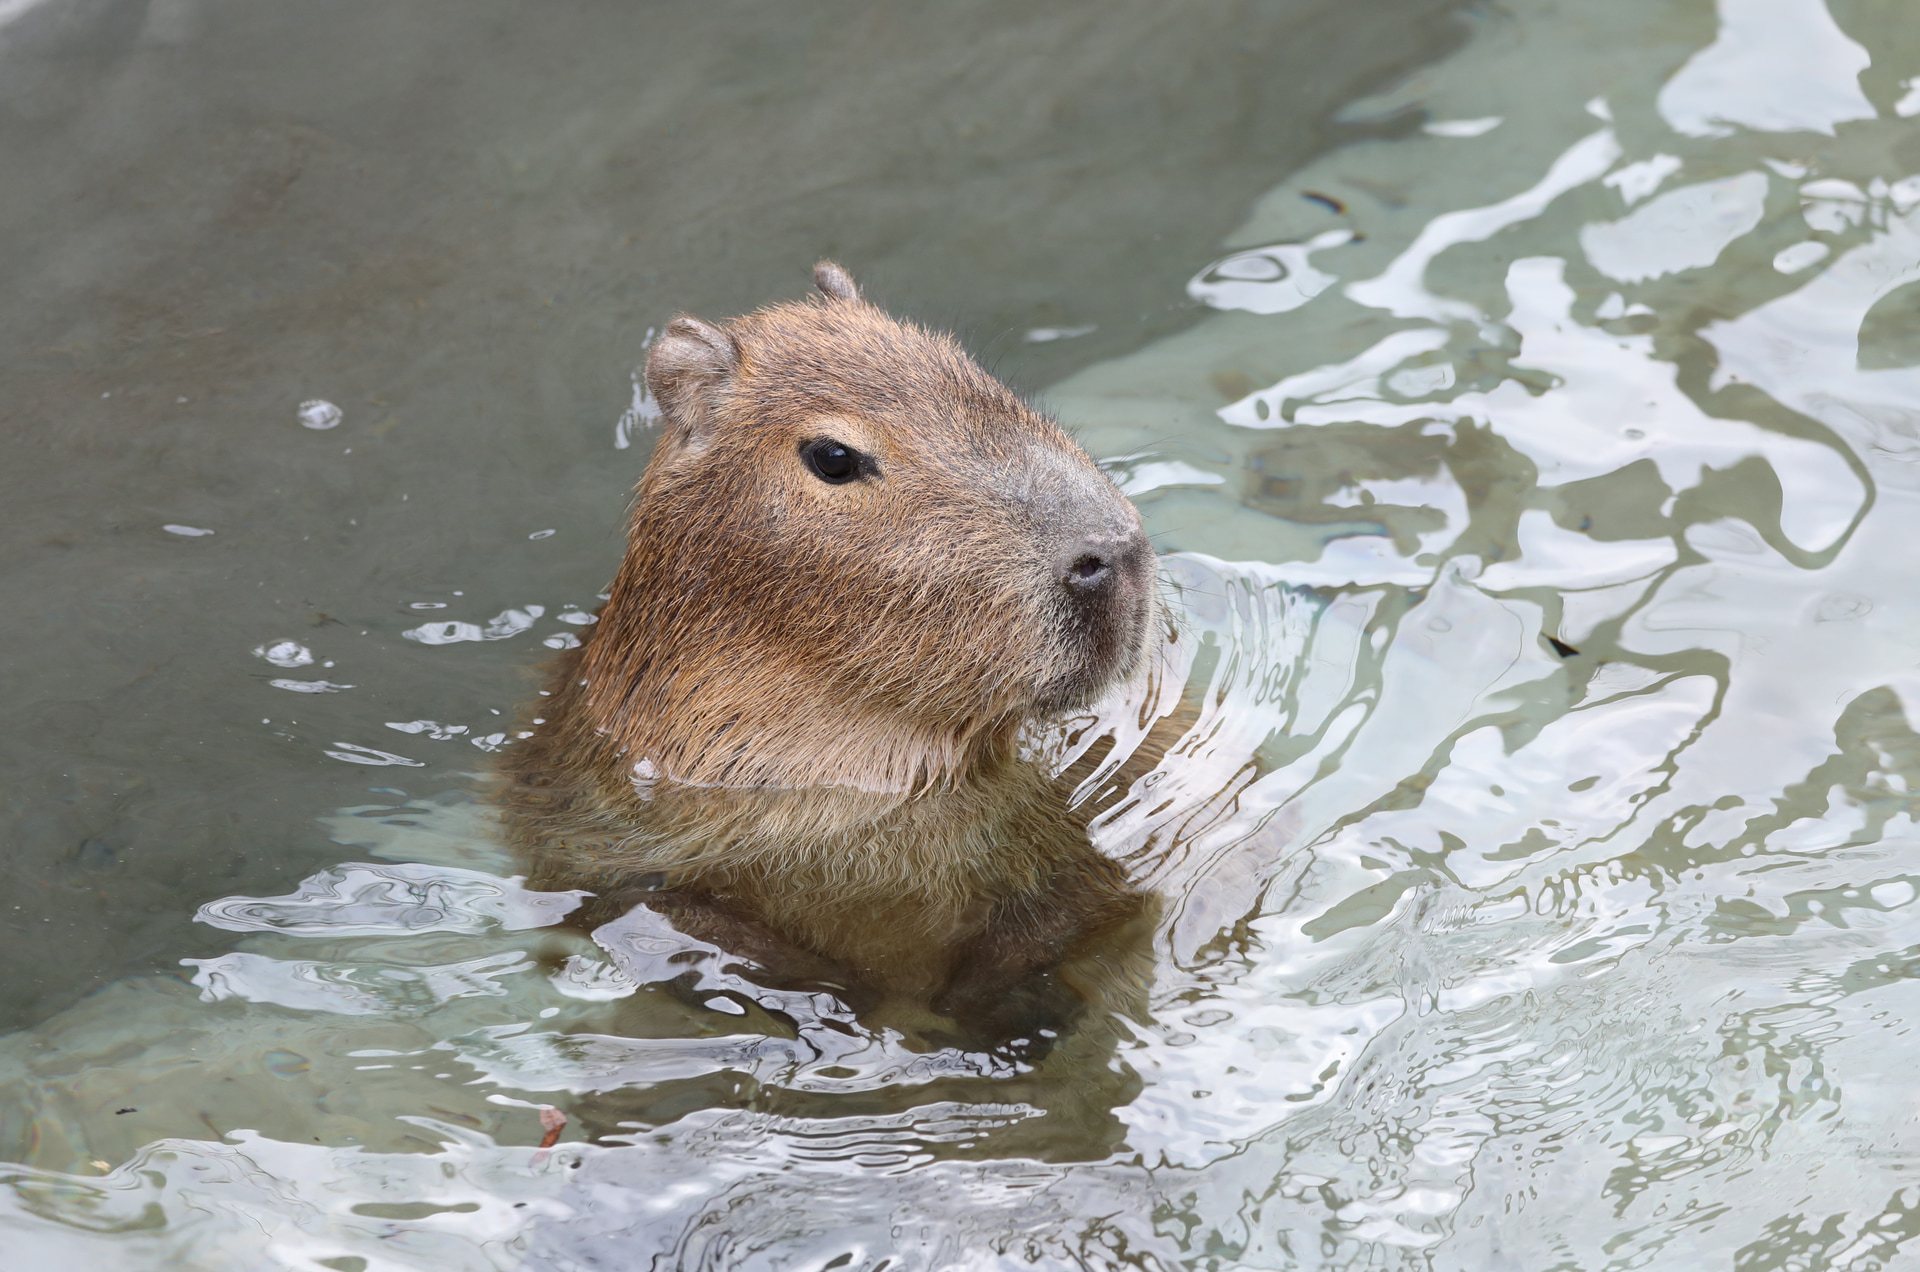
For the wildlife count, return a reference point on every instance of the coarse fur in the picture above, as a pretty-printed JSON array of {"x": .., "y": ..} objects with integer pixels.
[{"x": 794, "y": 728}]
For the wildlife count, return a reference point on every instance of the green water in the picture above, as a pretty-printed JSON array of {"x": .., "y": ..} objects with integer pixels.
[{"x": 1527, "y": 400}]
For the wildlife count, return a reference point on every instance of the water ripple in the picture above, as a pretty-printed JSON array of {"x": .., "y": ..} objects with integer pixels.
[
  {"x": 1536, "y": 488},
  {"x": 369, "y": 899}
]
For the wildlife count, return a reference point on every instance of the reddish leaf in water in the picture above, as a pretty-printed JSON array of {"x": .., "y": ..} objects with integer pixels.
[{"x": 553, "y": 1121}]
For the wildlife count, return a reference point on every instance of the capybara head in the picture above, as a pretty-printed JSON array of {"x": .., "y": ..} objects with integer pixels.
[{"x": 855, "y": 559}]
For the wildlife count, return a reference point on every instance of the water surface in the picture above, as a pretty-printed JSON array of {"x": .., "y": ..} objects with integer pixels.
[{"x": 1535, "y": 470}]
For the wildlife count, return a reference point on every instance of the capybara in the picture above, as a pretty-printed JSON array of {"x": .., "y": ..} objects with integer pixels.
[{"x": 858, "y": 570}]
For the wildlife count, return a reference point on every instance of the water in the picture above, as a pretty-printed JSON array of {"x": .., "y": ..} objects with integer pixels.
[{"x": 1535, "y": 460}]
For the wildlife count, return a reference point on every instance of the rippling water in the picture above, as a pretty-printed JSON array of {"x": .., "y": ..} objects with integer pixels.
[{"x": 1538, "y": 486}]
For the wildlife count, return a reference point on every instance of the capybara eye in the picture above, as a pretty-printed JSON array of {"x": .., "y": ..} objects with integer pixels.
[{"x": 831, "y": 461}]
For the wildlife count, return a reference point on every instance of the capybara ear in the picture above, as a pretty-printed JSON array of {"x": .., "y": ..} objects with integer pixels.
[
  {"x": 834, "y": 282},
  {"x": 690, "y": 366}
]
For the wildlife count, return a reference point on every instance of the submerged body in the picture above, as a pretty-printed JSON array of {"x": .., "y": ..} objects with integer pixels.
[{"x": 857, "y": 568}]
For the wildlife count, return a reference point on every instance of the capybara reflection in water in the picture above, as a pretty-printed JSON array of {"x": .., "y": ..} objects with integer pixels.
[{"x": 858, "y": 569}]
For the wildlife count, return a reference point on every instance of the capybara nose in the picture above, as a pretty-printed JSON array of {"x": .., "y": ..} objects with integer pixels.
[{"x": 1092, "y": 567}]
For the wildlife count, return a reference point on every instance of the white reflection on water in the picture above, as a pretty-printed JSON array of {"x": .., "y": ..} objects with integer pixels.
[
  {"x": 310, "y": 985},
  {"x": 1776, "y": 66},
  {"x": 505, "y": 625},
  {"x": 1538, "y": 874},
  {"x": 383, "y": 899},
  {"x": 1685, "y": 228},
  {"x": 1268, "y": 280}
]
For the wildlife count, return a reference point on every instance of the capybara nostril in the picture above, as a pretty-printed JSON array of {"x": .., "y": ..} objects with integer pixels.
[
  {"x": 1089, "y": 572},
  {"x": 1094, "y": 565}
]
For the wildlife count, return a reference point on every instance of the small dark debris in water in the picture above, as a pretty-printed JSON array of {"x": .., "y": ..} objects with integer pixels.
[
  {"x": 1232, "y": 384},
  {"x": 1326, "y": 201},
  {"x": 118, "y": 1112},
  {"x": 97, "y": 854},
  {"x": 1561, "y": 647}
]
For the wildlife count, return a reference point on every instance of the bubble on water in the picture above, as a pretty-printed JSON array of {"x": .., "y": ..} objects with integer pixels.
[
  {"x": 309, "y": 686},
  {"x": 1047, "y": 335},
  {"x": 502, "y": 626},
  {"x": 354, "y": 753},
  {"x": 1461, "y": 127},
  {"x": 432, "y": 728},
  {"x": 1791, "y": 260},
  {"x": 318, "y": 413},
  {"x": 646, "y": 775},
  {"x": 284, "y": 653}
]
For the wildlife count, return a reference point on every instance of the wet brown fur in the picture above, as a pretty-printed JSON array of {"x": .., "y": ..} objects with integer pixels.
[{"x": 794, "y": 728}]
